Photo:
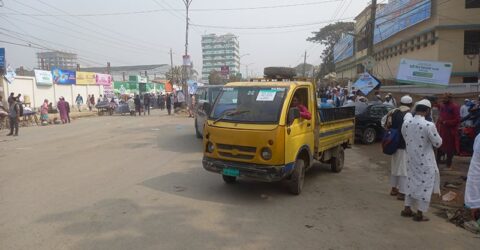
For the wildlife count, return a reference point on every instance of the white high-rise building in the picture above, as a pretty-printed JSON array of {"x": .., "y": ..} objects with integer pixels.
[{"x": 218, "y": 51}]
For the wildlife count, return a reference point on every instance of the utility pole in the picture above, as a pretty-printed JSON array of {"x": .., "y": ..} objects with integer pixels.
[
  {"x": 171, "y": 60},
  {"x": 185, "y": 69},
  {"x": 371, "y": 24},
  {"x": 304, "y": 63}
]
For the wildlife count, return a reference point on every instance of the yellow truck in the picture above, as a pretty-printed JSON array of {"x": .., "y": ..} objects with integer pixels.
[{"x": 259, "y": 130}]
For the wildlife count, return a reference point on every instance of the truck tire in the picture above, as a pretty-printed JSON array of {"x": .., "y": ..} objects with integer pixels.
[
  {"x": 337, "y": 162},
  {"x": 297, "y": 178},
  {"x": 369, "y": 135},
  {"x": 229, "y": 179},
  {"x": 197, "y": 133},
  {"x": 279, "y": 72}
]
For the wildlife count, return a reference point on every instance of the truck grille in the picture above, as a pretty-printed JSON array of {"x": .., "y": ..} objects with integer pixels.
[
  {"x": 239, "y": 148},
  {"x": 236, "y": 152}
]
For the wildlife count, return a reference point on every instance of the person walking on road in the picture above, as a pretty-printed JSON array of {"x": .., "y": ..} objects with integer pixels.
[
  {"x": 169, "y": 104},
  {"x": 92, "y": 102},
  {"x": 423, "y": 177},
  {"x": 14, "y": 116},
  {"x": 447, "y": 125},
  {"x": 62, "y": 109},
  {"x": 146, "y": 104},
  {"x": 67, "y": 106},
  {"x": 44, "y": 112},
  {"x": 79, "y": 102},
  {"x": 394, "y": 120},
  {"x": 472, "y": 190},
  {"x": 138, "y": 105}
]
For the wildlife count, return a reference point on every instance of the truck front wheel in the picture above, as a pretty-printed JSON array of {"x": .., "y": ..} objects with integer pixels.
[
  {"x": 229, "y": 179},
  {"x": 298, "y": 177}
]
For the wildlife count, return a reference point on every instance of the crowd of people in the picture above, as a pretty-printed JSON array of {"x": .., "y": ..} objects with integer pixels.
[{"x": 423, "y": 144}]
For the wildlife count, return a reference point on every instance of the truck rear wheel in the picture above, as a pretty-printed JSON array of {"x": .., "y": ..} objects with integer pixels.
[
  {"x": 337, "y": 162},
  {"x": 298, "y": 177},
  {"x": 229, "y": 179}
]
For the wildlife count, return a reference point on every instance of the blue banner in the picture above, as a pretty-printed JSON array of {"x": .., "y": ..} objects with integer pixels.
[
  {"x": 366, "y": 83},
  {"x": 343, "y": 48},
  {"x": 2, "y": 58},
  {"x": 63, "y": 77},
  {"x": 398, "y": 15}
]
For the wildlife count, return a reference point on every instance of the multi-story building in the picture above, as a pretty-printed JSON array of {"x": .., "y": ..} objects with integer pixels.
[
  {"x": 446, "y": 31},
  {"x": 64, "y": 60},
  {"x": 218, "y": 51}
]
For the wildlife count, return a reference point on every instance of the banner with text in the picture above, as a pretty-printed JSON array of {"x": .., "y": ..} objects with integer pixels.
[
  {"x": 85, "y": 78},
  {"x": 366, "y": 83},
  {"x": 63, "y": 77},
  {"x": 103, "y": 79},
  {"x": 424, "y": 72},
  {"x": 398, "y": 15},
  {"x": 43, "y": 77}
]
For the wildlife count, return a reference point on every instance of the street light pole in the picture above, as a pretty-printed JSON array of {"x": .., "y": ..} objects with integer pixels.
[{"x": 240, "y": 61}]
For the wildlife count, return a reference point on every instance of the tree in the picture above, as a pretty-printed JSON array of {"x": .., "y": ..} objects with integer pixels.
[
  {"x": 214, "y": 78},
  {"x": 235, "y": 77},
  {"x": 329, "y": 36},
  {"x": 299, "y": 69},
  {"x": 175, "y": 74}
]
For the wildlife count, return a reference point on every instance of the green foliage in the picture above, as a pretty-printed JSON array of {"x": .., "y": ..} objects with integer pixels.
[
  {"x": 328, "y": 36},
  {"x": 174, "y": 74},
  {"x": 214, "y": 78}
]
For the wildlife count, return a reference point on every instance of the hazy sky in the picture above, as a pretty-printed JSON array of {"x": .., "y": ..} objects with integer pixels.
[{"x": 145, "y": 38}]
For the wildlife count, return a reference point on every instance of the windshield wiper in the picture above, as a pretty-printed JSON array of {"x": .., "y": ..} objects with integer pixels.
[{"x": 232, "y": 113}]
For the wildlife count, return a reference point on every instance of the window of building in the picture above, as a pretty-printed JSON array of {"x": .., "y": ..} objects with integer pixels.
[
  {"x": 470, "y": 4},
  {"x": 471, "y": 43},
  {"x": 470, "y": 79},
  {"x": 360, "y": 68}
]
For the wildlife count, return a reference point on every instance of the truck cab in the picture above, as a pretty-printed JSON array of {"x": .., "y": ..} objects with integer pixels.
[{"x": 255, "y": 130}]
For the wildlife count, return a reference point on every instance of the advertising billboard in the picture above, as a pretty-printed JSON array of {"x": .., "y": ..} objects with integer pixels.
[
  {"x": 343, "y": 48},
  {"x": 366, "y": 83},
  {"x": 125, "y": 87},
  {"x": 424, "y": 72},
  {"x": 2, "y": 59},
  {"x": 398, "y": 15},
  {"x": 63, "y": 77},
  {"x": 43, "y": 77},
  {"x": 103, "y": 79},
  {"x": 85, "y": 78}
]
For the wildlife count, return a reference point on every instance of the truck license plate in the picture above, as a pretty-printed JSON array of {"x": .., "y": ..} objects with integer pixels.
[{"x": 231, "y": 172}]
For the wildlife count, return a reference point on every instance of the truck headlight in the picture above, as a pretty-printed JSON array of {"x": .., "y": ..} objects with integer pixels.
[
  {"x": 210, "y": 147},
  {"x": 266, "y": 154}
]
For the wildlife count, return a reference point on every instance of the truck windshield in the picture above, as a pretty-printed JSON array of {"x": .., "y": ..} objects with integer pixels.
[{"x": 249, "y": 104}]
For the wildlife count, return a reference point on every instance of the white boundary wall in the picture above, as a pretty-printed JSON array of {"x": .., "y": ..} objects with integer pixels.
[{"x": 27, "y": 86}]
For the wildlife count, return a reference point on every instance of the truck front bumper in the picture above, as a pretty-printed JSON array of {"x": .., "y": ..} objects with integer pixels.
[{"x": 266, "y": 173}]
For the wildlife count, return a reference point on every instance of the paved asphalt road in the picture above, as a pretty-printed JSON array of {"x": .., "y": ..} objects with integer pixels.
[{"x": 138, "y": 183}]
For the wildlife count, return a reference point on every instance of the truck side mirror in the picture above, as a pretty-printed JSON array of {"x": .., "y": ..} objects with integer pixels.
[{"x": 293, "y": 113}]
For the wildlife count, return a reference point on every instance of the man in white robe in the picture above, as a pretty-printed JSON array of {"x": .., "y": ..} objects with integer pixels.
[
  {"x": 472, "y": 190},
  {"x": 423, "y": 177},
  {"x": 394, "y": 120}
]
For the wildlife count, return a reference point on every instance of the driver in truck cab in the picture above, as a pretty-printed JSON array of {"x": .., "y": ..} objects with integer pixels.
[{"x": 296, "y": 103}]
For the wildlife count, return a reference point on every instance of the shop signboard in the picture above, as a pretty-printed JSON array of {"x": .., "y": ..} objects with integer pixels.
[
  {"x": 103, "y": 79},
  {"x": 85, "y": 78},
  {"x": 424, "y": 72},
  {"x": 2, "y": 60},
  {"x": 43, "y": 77},
  {"x": 399, "y": 15},
  {"x": 63, "y": 77},
  {"x": 343, "y": 48}
]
